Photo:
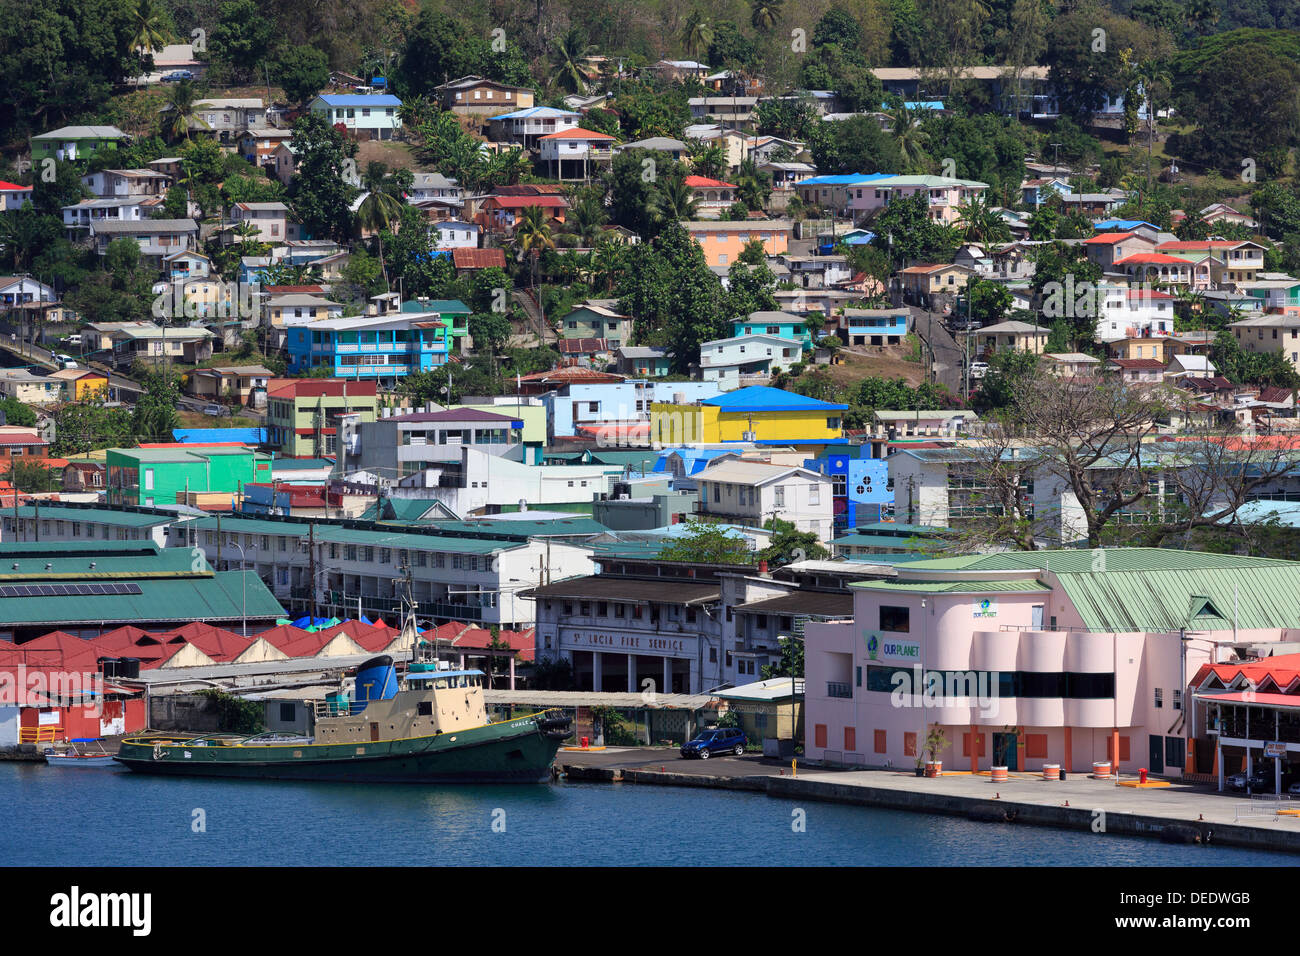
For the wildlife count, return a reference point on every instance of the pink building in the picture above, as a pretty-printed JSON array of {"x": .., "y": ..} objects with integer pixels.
[
  {"x": 943, "y": 195},
  {"x": 1032, "y": 658}
]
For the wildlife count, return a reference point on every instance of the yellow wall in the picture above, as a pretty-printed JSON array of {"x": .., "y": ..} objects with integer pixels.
[
  {"x": 87, "y": 387},
  {"x": 678, "y": 424}
]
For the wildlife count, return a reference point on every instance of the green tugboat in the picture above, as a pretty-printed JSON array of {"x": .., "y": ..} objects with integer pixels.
[{"x": 433, "y": 728}]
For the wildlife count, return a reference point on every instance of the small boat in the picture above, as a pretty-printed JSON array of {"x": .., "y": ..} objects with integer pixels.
[{"x": 80, "y": 756}]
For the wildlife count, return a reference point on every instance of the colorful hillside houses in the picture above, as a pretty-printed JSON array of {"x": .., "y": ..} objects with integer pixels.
[
  {"x": 712, "y": 196},
  {"x": 365, "y": 116},
  {"x": 759, "y": 414},
  {"x": 380, "y": 348},
  {"x": 572, "y": 153}
]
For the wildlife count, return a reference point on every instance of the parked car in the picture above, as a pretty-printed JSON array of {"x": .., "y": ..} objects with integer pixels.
[
  {"x": 1257, "y": 780},
  {"x": 214, "y": 410},
  {"x": 73, "y": 340},
  {"x": 65, "y": 361},
  {"x": 978, "y": 369},
  {"x": 1294, "y": 789},
  {"x": 719, "y": 740},
  {"x": 177, "y": 75}
]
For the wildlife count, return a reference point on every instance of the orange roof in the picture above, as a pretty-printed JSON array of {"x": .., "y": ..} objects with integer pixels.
[
  {"x": 478, "y": 258},
  {"x": 1109, "y": 238},
  {"x": 1152, "y": 258},
  {"x": 704, "y": 182}
]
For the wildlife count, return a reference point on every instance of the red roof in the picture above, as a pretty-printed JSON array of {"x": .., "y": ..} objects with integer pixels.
[
  {"x": 218, "y": 643},
  {"x": 576, "y": 133},
  {"x": 1152, "y": 258},
  {"x": 1204, "y": 245},
  {"x": 1109, "y": 238},
  {"x": 523, "y": 202},
  {"x": 703, "y": 182},
  {"x": 478, "y": 258},
  {"x": 1147, "y": 293},
  {"x": 312, "y": 388},
  {"x": 5, "y": 185},
  {"x": 1275, "y": 394},
  {"x": 1280, "y": 670},
  {"x": 530, "y": 189},
  {"x": 584, "y": 346},
  {"x": 1138, "y": 363},
  {"x": 571, "y": 373},
  {"x": 293, "y": 289}
]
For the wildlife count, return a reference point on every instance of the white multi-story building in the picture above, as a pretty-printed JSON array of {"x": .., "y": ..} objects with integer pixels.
[{"x": 750, "y": 492}]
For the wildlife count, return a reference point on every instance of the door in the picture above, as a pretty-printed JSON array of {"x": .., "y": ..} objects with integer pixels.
[
  {"x": 1036, "y": 620},
  {"x": 1004, "y": 751},
  {"x": 1156, "y": 748}
]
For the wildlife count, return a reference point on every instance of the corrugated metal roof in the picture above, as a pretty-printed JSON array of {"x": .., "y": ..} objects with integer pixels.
[
  {"x": 961, "y": 587},
  {"x": 1154, "y": 589}
]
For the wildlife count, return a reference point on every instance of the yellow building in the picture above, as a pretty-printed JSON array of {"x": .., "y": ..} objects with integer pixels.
[
  {"x": 763, "y": 415},
  {"x": 82, "y": 384}
]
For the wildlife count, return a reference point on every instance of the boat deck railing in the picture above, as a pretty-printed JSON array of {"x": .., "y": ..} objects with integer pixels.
[{"x": 36, "y": 735}]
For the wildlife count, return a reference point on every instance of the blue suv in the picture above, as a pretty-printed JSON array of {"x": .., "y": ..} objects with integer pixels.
[{"x": 719, "y": 740}]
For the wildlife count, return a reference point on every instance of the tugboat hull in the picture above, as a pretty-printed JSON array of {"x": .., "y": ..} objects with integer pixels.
[{"x": 518, "y": 751}]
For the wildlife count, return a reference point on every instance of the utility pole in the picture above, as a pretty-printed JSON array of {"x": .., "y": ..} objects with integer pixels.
[{"x": 311, "y": 566}]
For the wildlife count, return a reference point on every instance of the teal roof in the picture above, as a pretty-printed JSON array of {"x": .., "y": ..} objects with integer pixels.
[
  {"x": 301, "y": 464},
  {"x": 170, "y": 588},
  {"x": 377, "y": 536},
  {"x": 114, "y": 516},
  {"x": 441, "y": 306},
  {"x": 764, "y": 398},
  {"x": 522, "y": 528},
  {"x": 893, "y": 542}
]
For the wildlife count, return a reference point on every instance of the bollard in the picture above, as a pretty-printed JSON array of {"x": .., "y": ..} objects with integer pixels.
[
  {"x": 584, "y": 743},
  {"x": 1142, "y": 775},
  {"x": 794, "y": 769}
]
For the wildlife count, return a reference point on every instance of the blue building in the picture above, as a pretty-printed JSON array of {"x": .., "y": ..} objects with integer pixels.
[
  {"x": 860, "y": 488},
  {"x": 376, "y": 348},
  {"x": 874, "y": 326},
  {"x": 784, "y": 325}
]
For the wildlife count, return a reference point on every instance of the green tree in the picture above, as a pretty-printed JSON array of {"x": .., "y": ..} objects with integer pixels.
[
  {"x": 791, "y": 661},
  {"x": 241, "y": 39},
  {"x": 1002, "y": 384},
  {"x": 856, "y": 145},
  {"x": 986, "y": 301},
  {"x": 82, "y": 427},
  {"x": 706, "y": 543},
  {"x": 32, "y": 477},
  {"x": 152, "y": 31},
  {"x": 319, "y": 193},
  {"x": 303, "y": 72},
  {"x": 490, "y": 331},
  {"x": 155, "y": 417},
  {"x": 788, "y": 544},
  {"x": 16, "y": 413}
]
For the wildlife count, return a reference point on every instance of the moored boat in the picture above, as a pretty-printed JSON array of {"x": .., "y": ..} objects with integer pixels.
[
  {"x": 430, "y": 728},
  {"x": 79, "y": 754}
]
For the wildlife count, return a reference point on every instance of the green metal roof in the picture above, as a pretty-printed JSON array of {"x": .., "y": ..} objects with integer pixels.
[
  {"x": 125, "y": 519},
  {"x": 523, "y": 528},
  {"x": 957, "y": 587},
  {"x": 1155, "y": 589},
  {"x": 377, "y": 537}
]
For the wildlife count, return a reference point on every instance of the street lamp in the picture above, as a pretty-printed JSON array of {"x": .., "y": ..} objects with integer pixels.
[{"x": 243, "y": 586}]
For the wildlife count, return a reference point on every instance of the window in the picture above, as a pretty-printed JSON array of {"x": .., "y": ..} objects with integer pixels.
[
  {"x": 1178, "y": 700},
  {"x": 850, "y": 738},
  {"x": 1036, "y": 746},
  {"x": 897, "y": 619},
  {"x": 881, "y": 740},
  {"x": 909, "y": 744},
  {"x": 814, "y": 494},
  {"x": 819, "y": 735},
  {"x": 780, "y": 496}
]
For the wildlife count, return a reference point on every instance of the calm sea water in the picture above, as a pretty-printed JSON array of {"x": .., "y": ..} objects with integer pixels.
[{"x": 114, "y": 818}]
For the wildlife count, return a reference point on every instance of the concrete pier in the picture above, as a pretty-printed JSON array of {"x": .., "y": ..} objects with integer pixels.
[{"x": 1177, "y": 812}]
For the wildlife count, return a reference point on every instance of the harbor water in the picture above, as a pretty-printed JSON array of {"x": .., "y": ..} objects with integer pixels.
[{"x": 108, "y": 817}]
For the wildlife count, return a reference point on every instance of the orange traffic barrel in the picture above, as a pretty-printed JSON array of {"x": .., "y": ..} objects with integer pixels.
[
  {"x": 998, "y": 774},
  {"x": 1101, "y": 769},
  {"x": 1051, "y": 771}
]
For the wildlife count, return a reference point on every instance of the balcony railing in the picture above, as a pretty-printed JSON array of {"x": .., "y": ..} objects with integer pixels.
[{"x": 838, "y": 689}]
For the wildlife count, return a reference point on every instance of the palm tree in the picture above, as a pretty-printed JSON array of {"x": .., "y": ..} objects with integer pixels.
[
  {"x": 1201, "y": 15},
  {"x": 180, "y": 113},
  {"x": 607, "y": 261},
  {"x": 710, "y": 161},
  {"x": 379, "y": 210},
  {"x": 697, "y": 35},
  {"x": 508, "y": 167},
  {"x": 585, "y": 220},
  {"x": 673, "y": 201},
  {"x": 763, "y": 14},
  {"x": 909, "y": 136},
  {"x": 151, "y": 32},
  {"x": 753, "y": 186},
  {"x": 979, "y": 223},
  {"x": 246, "y": 233},
  {"x": 415, "y": 110},
  {"x": 566, "y": 60},
  {"x": 532, "y": 235}
]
